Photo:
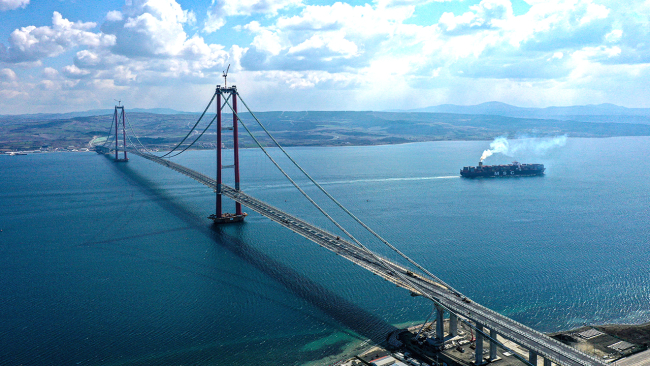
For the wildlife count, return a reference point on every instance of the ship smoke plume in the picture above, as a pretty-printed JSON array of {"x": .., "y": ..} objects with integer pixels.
[{"x": 533, "y": 145}]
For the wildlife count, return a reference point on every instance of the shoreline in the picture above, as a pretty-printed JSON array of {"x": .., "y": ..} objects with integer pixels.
[
  {"x": 8, "y": 151},
  {"x": 642, "y": 328},
  {"x": 638, "y": 334},
  {"x": 633, "y": 333}
]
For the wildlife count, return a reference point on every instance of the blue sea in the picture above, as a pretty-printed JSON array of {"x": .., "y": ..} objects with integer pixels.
[{"x": 105, "y": 263}]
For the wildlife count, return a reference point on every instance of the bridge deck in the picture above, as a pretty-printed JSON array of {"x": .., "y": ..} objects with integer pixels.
[{"x": 531, "y": 339}]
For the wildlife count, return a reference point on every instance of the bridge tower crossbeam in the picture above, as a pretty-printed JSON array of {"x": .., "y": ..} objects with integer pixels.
[{"x": 220, "y": 217}]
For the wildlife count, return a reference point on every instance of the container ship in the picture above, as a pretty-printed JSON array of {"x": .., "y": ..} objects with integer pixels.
[{"x": 511, "y": 170}]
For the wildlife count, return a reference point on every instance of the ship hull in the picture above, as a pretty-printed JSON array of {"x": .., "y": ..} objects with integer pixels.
[
  {"x": 503, "y": 174},
  {"x": 502, "y": 171}
]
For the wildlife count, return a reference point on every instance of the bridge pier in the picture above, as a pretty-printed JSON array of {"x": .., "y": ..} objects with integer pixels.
[
  {"x": 453, "y": 324},
  {"x": 493, "y": 346},
  {"x": 220, "y": 217},
  {"x": 532, "y": 357},
  {"x": 440, "y": 329},
  {"x": 478, "y": 355}
]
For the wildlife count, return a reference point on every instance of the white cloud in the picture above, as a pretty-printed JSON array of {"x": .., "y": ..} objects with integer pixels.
[
  {"x": 114, "y": 16},
  {"x": 311, "y": 79},
  {"x": 597, "y": 53},
  {"x": 561, "y": 47},
  {"x": 487, "y": 14},
  {"x": 151, "y": 47},
  {"x": 489, "y": 41},
  {"x": 191, "y": 18},
  {"x": 630, "y": 29},
  {"x": 148, "y": 29},
  {"x": 144, "y": 44},
  {"x": 50, "y": 73},
  {"x": 141, "y": 46},
  {"x": 364, "y": 20},
  {"x": 7, "y": 75},
  {"x": 267, "y": 41},
  {"x": 87, "y": 59},
  {"x": 73, "y": 72},
  {"x": 12, "y": 4},
  {"x": 29, "y": 44},
  {"x": 560, "y": 24},
  {"x": 614, "y": 36},
  {"x": 594, "y": 12},
  {"x": 325, "y": 46},
  {"x": 394, "y": 3},
  {"x": 333, "y": 38},
  {"x": 221, "y": 9}
]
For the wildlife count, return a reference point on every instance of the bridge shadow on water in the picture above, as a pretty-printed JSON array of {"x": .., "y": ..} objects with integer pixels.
[
  {"x": 344, "y": 312},
  {"x": 338, "y": 308}
]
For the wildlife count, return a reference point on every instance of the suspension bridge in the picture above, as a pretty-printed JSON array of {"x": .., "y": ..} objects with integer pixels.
[{"x": 417, "y": 280}]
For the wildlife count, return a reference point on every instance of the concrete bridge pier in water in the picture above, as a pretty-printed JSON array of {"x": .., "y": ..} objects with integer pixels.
[{"x": 480, "y": 338}]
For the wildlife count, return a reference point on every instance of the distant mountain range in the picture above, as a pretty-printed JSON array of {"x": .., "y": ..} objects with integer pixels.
[
  {"x": 591, "y": 112},
  {"x": 586, "y": 113},
  {"x": 90, "y": 113},
  {"x": 325, "y": 128}
]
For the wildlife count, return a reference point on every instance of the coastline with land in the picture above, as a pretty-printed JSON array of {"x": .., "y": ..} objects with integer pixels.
[
  {"x": 308, "y": 128},
  {"x": 635, "y": 337}
]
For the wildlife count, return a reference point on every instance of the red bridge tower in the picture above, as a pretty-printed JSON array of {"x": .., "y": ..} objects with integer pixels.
[
  {"x": 116, "y": 120},
  {"x": 221, "y": 217}
]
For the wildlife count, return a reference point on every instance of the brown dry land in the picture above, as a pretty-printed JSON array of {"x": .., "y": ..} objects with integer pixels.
[
  {"x": 608, "y": 341},
  {"x": 637, "y": 334},
  {"x": 31, "y": 132}
]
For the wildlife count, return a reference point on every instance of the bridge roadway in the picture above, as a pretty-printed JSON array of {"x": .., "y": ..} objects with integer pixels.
[{"x": 528, "y": 338}]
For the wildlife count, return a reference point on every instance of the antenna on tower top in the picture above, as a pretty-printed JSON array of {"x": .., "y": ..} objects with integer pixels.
[
  {"x": 225, "y": 75},
  {"x": 118, "y": 102}
]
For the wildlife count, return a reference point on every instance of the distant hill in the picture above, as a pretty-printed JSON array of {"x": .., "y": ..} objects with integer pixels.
[
  {"x": 584, "y": 113},
  {"x": 324, "y": 128},
  {"x": 89, "y": 113}
]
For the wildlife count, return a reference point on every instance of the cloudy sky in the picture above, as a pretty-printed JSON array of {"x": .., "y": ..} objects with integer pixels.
[{"x": 71, "y": 55}]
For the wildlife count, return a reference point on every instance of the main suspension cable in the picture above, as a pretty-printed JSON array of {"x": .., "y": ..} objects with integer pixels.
[
  {"x": 379, "y": 260},
  {"x": 134, "y": 135},
  {"x": 146, "y": 150},
  {"x": 342, "y": 207},
  {"x": 197, "y": 139},
  {"x": 291, "y": 180},
  {"x": 110, "y": 131},
  {"x": 193, "y": 127}
]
